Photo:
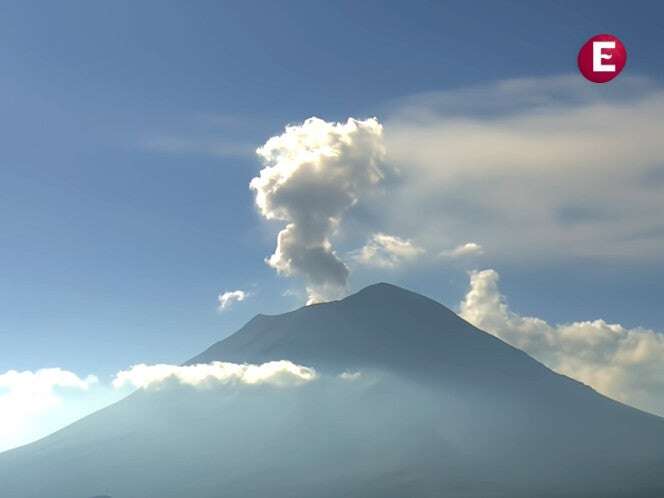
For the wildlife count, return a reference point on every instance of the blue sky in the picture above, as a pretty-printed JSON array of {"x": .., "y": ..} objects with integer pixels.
[{"x": 129, "y": 133}]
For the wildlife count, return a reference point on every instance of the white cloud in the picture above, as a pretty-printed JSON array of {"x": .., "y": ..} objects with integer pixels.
[
  {"x": 313, "y": 173},
  {"x": 386, "y": 251},
  {"x": 25, "y": 396},
  {"x": 623, "y": 363},
  {"x": 467, "y": 249},
  {"x": 227, "y": 298},
  {"x": 542, "y": 168},
  {"x": 30, "y": 392},
  {"x": 277, "y": 373},
  {"x": 350, "y": 376}
]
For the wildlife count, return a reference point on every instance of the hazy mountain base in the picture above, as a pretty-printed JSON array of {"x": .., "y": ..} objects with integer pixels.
[
  {"x": 441, "y": 410},
  {"x": 375, "y": 436}
]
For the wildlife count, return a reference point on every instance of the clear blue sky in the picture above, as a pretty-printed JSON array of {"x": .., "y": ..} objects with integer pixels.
[{"x": 120, "y": 224}]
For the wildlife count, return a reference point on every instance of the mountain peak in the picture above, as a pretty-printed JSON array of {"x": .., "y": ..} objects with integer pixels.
[
  {"x": 384, "y": 291},
  {"x": 382, "y": 326},
  {"x": 382, "y": 288},
  {"x": 381, "y": 285}
]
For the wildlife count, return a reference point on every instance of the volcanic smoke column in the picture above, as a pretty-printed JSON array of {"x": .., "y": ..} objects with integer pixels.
[{"x": 314, "y": 172}]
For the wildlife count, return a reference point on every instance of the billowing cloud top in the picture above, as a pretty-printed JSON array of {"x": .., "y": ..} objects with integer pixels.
[
  {"x": 314, "y": 172},
  {"x": 276, "y": 373}
]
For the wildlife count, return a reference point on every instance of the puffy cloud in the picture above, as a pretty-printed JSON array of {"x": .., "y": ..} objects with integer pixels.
[
  {"x": 623, "y": 363},
  {"x": 467, "y": 249},
  {"x": 276, "y": 373},
  {"x": 313, "y": 173},
  {"x": 574, "y": 170},
  {"x": 27, "y": 395},
  {"x": 227, "y": 298},
  {"x": 387, "y": 251}
]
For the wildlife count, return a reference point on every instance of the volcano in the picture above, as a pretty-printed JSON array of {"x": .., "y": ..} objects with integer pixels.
[{"x": 410, "y": 401}]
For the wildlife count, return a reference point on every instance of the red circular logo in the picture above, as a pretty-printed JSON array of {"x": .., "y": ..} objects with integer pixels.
[{"x": 602, "y": 58}]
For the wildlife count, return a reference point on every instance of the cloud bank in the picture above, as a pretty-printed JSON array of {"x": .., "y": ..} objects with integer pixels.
[
  {"x": 275, "y": 373},
  {"x": 536, "y": 168},
  {"x": 625, "y": 364},
  {"x": 313, "y": 173},
  {"x": 34, "y": 404}
]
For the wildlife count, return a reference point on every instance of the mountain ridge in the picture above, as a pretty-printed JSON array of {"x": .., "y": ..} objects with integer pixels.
[
  {"x": 402, "y": 322},
  {"x": 440, "y": 408}
]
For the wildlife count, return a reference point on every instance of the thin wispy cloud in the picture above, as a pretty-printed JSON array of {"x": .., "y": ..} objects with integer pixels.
[
  {"x": 539, "y": 168},
  {"x": 208, "y": 134},
  {"x": 217, "y": 147},
  {"x": 467, "y": 249}
]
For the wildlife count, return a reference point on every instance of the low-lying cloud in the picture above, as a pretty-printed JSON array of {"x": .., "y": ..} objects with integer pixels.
[
  {"x": 34, "y": 404},
  {"x": 27, "y": 395},
  {"x": 275, "y": 373},
  {"x": 625, "y": 364},
  {"x": 29, "y": 392}
]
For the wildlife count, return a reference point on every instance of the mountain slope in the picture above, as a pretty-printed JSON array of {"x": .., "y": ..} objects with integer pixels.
[
  {"x": 381, "y": 326},
  {"x": 441, "y": 409}
]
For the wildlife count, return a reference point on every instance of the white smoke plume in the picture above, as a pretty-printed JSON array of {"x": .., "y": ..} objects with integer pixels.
[{"x": 313, "y": 173}]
